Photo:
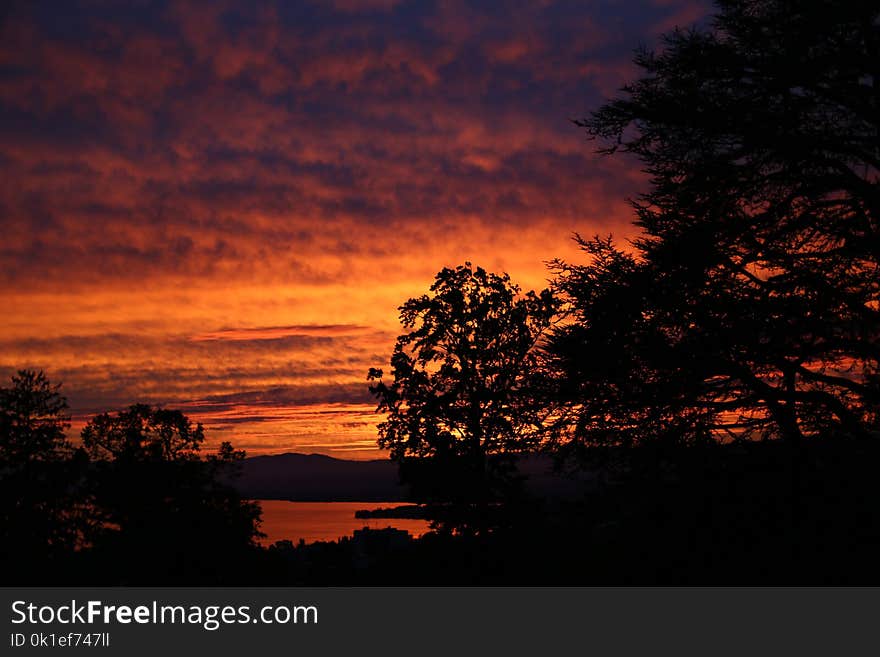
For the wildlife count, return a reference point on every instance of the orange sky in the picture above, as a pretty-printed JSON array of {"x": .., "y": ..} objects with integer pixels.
[{"x": 218, "y": 207}]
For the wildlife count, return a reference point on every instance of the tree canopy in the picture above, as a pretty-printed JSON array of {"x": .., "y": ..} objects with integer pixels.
[
  {"x": 457, "y": 394},
  {"x": 143, "y": 433},
  {"x": 749, "y": 306},
  {"x": 161, "y": 502},
  {"x": 33, "y": 419},
  {"x": 44, "y": 513}
]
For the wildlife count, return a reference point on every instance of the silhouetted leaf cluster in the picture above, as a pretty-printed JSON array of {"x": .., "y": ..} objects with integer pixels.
[{"x": 457, "y": 404}]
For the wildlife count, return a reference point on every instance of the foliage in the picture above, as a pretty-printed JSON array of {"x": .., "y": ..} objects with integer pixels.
[
  {"x": 146, "y": 508},
  {"x": 162, "y": 504},
  {"x": 44, "y": 510},
  {"x": 33, "y": 419},
  {"x": 143, "y": 433},
  {"x": 457, "y": 404},
  {"x": 750, "y": 304}
]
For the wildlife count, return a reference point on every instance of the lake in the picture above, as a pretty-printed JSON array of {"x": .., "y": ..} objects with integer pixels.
[{"x": 326, "y": 521}]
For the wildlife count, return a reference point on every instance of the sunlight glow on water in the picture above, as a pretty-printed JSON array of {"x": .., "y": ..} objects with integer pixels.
[{"x": 326, "y": 521}]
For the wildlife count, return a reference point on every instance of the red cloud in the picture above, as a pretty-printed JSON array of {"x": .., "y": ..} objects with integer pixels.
[{"x": 295, "y": 169}]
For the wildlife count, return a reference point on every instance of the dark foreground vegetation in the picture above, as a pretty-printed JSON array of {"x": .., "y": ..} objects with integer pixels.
[
  {"x": 739, "y": 513},
  {"x": 718, "y": 378},
  {"x": 753, "y": 514},
  {"x": 135, "y": 505}
]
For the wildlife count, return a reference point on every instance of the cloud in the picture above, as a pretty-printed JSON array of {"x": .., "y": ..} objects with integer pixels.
[
  {"x": 222, "y": 198},
  {"x": 276, "y": 332}
]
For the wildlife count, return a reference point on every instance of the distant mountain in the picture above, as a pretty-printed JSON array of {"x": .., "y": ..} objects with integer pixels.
[{"x": 319, "y": 478}]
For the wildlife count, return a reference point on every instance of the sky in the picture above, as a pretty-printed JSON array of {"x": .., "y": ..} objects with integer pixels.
[{"x": 219, "y": 206}]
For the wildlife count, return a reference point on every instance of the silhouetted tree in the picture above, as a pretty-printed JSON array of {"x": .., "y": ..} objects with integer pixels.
[
  {"x": 44, "y": 510},
  {"x": 750, "y": 304},
  {"x": 456, "y": 406},
  {"x": 143, "y": 433},
  {"x": 33, "y": 420},
  {"x": 165, "y": 507}
]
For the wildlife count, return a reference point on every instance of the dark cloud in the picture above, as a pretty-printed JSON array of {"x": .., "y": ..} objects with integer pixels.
[{"x": 174, "y": 170}]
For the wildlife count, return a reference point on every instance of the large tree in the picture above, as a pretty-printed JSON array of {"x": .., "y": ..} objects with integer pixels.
[
  {"x": 750, "y": 303},
  {"x": 457, "y": 404}
]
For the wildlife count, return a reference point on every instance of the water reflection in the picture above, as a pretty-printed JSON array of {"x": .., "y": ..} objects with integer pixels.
[{"x": 326, "y": 521}]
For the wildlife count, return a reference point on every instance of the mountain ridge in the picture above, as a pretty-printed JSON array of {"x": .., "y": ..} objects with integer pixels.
[
  {"x": 300, "y": 477},
  {"x": 314, "y": 477}
]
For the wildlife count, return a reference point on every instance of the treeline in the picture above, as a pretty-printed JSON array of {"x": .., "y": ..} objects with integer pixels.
[{"x": 133, "y": 502}]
